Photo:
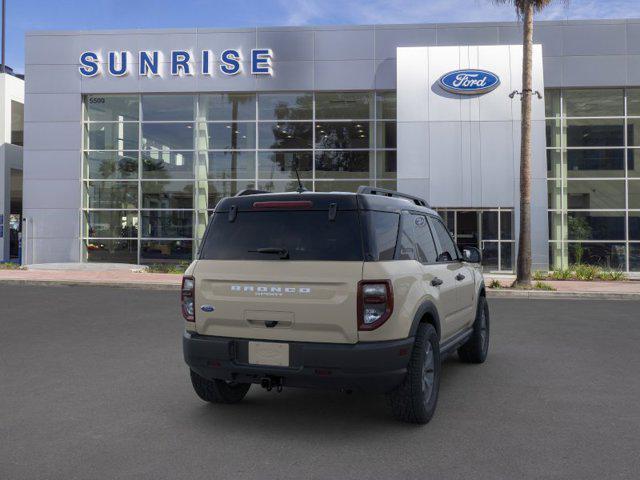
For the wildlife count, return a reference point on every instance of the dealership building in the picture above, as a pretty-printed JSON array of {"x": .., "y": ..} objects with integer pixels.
[{"x": 131, "y": 137}]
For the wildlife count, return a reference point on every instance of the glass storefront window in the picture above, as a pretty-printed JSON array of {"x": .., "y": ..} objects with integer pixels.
[
  {"x": 633, "y": 102},
  {"x": 227, "y": 106},
  {"x": 344, "y": 105},
  {"x": 228, "y": 165},
  {"x": 555, "y": 200},
  {"x": 111, "y": 165},
  {"x": 343, "y": 135},
  {"x": 285, "y": 106},
  {"x": 112, "y": 194},
  {"x": 633, "y": 162},
  {"x": 634, "y": 225},
  {"x": 596, "y": 225},
  {"x": 111, "y": 136},
  {"x": 554, "y": 163},
  {"x": 167, "y": 164},
  {"x": 552, "y": 103},
  {"x": 634, "y": 194},
  {"x": 167, "y": 136},
  {"x": 610, "y": 256},
  {"x": 387, "y": 161},
  {"x": 282, "y": 165},
  {"x": 490, "y": 225},
  {"x": 603, "y": 132},
  {"x": 557, "y": 222},
  {"x": 386, "y": 135},
  {"x": 595, "y": 163},
  {"x": 217, "y": 190},
  {"x": 111, "y": 224},
  {"x": 339, "y": 186},
  {"x": 634, "y": 257},
  {"x": 111, "y": 251},
  {"x": 599, "y": 102},
  {"x": 554, "y": 133},
  {"x": 386, "y": 105},
  {"x": 111, "y": 108},
  {"x": 506, "y": 225},
  {"x": 173, "y": 107},
  {"x": 284, "y": 185},
  {"x": 227, "y": 136},
  {"x": 167, "y": 224},
  {"x": 166, "y": 251},
  {"x": 633, "y": 132},
  {"x": 595, "y": 194},
  {"x": 285, "y": 135},
  {"x": 343, "y": 164},
  {"x": 167, "y": 194}
]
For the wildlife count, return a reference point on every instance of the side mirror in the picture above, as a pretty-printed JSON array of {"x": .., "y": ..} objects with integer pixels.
[{"x": 471, "y": 255}]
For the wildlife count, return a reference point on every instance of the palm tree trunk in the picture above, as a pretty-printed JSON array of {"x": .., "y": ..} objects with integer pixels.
[{"x": 524, "y": 246}]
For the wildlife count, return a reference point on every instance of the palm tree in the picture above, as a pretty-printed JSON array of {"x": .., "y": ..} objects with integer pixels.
[{"x": 525, "y": 10}]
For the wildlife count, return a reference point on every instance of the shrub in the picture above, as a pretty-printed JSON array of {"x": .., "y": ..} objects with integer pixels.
[
  {"x": 167, "y": 268},
  {"x": 9, "y": 266},
  {"x": 543, "y": 286},
  {"x": 587, "y": 272},
  {"x": 495, "y": 284},
  {"x": 540, "y": 275},
  {"x": 612, "y": 275},
  {"x": 562, "y": 274}
]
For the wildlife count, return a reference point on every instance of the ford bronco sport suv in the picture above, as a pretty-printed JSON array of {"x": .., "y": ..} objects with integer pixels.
[{"x": 356, "y": 292}]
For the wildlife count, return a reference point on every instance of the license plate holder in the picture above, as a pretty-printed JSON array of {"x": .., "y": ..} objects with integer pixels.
[{"x": 273, "y": 354}]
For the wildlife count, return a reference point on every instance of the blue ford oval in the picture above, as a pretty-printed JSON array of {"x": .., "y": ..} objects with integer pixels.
[
  {"x": 469, "y": 81},
  {"x": 207, "y": 308}
]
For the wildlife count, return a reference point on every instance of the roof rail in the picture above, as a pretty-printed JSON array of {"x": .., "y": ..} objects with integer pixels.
[
  {"x": 249, "y": 191},
  {"x": 363, "y": 189}
]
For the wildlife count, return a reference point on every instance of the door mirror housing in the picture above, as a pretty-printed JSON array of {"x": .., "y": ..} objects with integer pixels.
[{"x": 471, "y": 255}]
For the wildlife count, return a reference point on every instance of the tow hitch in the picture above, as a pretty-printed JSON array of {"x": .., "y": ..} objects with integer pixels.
[{"x": 271, "y": 382}]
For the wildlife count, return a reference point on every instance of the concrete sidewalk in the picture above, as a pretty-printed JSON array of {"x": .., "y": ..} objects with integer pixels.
[{"x": 627, "y": 290}]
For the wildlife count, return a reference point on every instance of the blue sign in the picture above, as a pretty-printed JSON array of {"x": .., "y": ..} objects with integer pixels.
[
  {"x": 181, "y": 62},
  {"x": 469, "y": 81}
]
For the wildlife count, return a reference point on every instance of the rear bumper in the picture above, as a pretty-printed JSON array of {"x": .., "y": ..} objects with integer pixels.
[{"x": 370, "y": 367}]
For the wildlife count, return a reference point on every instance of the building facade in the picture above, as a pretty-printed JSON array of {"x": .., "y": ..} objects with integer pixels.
[{"x": 131, "y": 137}]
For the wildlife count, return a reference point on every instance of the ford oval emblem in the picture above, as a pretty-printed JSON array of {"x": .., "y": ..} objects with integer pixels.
[
  {"x": 469, "y": 82},
  {"x": 207, "y": 308}
]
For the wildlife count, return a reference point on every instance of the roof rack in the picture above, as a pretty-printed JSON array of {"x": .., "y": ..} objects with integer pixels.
[
  {"x": 391, "y": 193},
  {"x": 249, "y": 191}
]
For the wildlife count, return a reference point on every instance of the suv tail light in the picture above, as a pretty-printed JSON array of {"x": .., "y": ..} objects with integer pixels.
[
  {"x": 187, "y": 298},
  {"x": 375, "y": 303}
]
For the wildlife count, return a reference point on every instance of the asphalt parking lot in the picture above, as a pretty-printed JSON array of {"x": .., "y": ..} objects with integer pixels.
[{"x": 93, "y": 386}]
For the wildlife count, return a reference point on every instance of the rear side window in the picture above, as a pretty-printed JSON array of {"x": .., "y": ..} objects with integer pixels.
[
  {"x": 383, "y": 234},
  {"x": 448, "y": 251},
  {"x": 416, "y": 242},
  {"x": 284, "y": 235}
]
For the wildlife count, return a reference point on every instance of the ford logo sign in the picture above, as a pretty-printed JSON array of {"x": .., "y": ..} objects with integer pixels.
[
  {"x": 469, "y": 82},
  {"x": 207, "y": 308}
]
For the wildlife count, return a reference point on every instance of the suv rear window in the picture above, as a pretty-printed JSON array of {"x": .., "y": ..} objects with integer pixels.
[{"x": 302, "y": 234}]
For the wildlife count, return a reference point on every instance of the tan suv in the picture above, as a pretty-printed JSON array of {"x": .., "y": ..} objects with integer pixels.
[{"x": 356, "y": 292}]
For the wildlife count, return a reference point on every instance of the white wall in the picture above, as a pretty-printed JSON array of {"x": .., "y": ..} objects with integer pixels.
[{"x": 464, "y": 151}]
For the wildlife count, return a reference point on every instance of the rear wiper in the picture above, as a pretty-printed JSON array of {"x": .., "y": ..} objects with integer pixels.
[{"x": 283, "y": 252}]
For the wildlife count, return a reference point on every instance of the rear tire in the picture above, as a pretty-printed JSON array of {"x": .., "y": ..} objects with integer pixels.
[
  {"x": 218, "y": 391},
  {"x": 475, "y": 350},
  {"x": 414, "y": 401}
]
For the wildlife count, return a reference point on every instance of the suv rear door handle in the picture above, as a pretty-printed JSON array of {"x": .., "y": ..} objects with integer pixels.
[
  {"x": 436, "y": 282},
  {"x": 460, "y": 277}
]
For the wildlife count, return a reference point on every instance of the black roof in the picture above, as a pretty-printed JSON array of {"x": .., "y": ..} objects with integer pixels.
[{"x": 322, "y": 200}]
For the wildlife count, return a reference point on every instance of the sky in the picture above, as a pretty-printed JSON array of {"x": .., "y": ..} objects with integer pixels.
[{"x": 26, "y": 15}]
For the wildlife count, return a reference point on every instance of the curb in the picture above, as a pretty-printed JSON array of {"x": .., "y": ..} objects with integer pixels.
[
  {"x": 545, "y": 295},
  {"x": 82, "y": 283}
]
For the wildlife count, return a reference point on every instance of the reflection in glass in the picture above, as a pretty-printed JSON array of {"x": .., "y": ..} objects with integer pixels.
[
  {"x": 556, "y": 226},
  {"x": 554, "y": 164},
  {"x": 111, "y": 165},
  {"x": 596, "y": 225},
  {"x": 595, "y": 163},
  {"x": 167, "y": 136},
  {"x": 634, "y": 194},
  {"x": 554, "y": 133},
  {"x": 387, "y": 164},
  {"x": 111, "y": 223},
  {"x": 165, "y": 251},
  {"x": 345, "y": 164},
  {"x": 595, "y": 194},
  {"x": 347, "y": 105},
  {"x": 633, "y": 162},
  {"x": 595, "y": 133},
  {"x": 111, "y": 136},
  {"x": 386, "y": 135},
  {"x": 167, "y": 164},
  {"x": 168, "y": 107},
  {"x": 634, "y": 225},
  {"x": 600, "y": 102},
  {"x": 227, "y": 106},
  {"x": 340, "y": 185},
  {"x": 171, "y": 194},
  {"x": 506, "y": 225},
  {"x": 167, "y": 224},
  {"x": 285, "y": 106},
  {"x": 220, "y": 189},
  {"x": 227, "y": 136},
  {"x": 552, "y": 102},
  {"x": 111, "y": 108},
  {"x": 282, "y": 165},
  {"x": 335, "y": 135},
  {"x": 285, "y": 135},
  {"x": 610, "y": 256},
  {"x": 634, "y": 257},
  {"x": 231, "y": 164},
  {"x": 633, "y": 102},
  {"x": 489, "y": 225},
  {"x": 386, "y": 105},
  {"x": 555, "y": 200},
  {"x": 490, "y": 256},
  {"x": 506, "y": 256},
  {"x": 112, "y": 194},
  {"x": 112, "y": 251},
  {"x": 633, "y": 132}
]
